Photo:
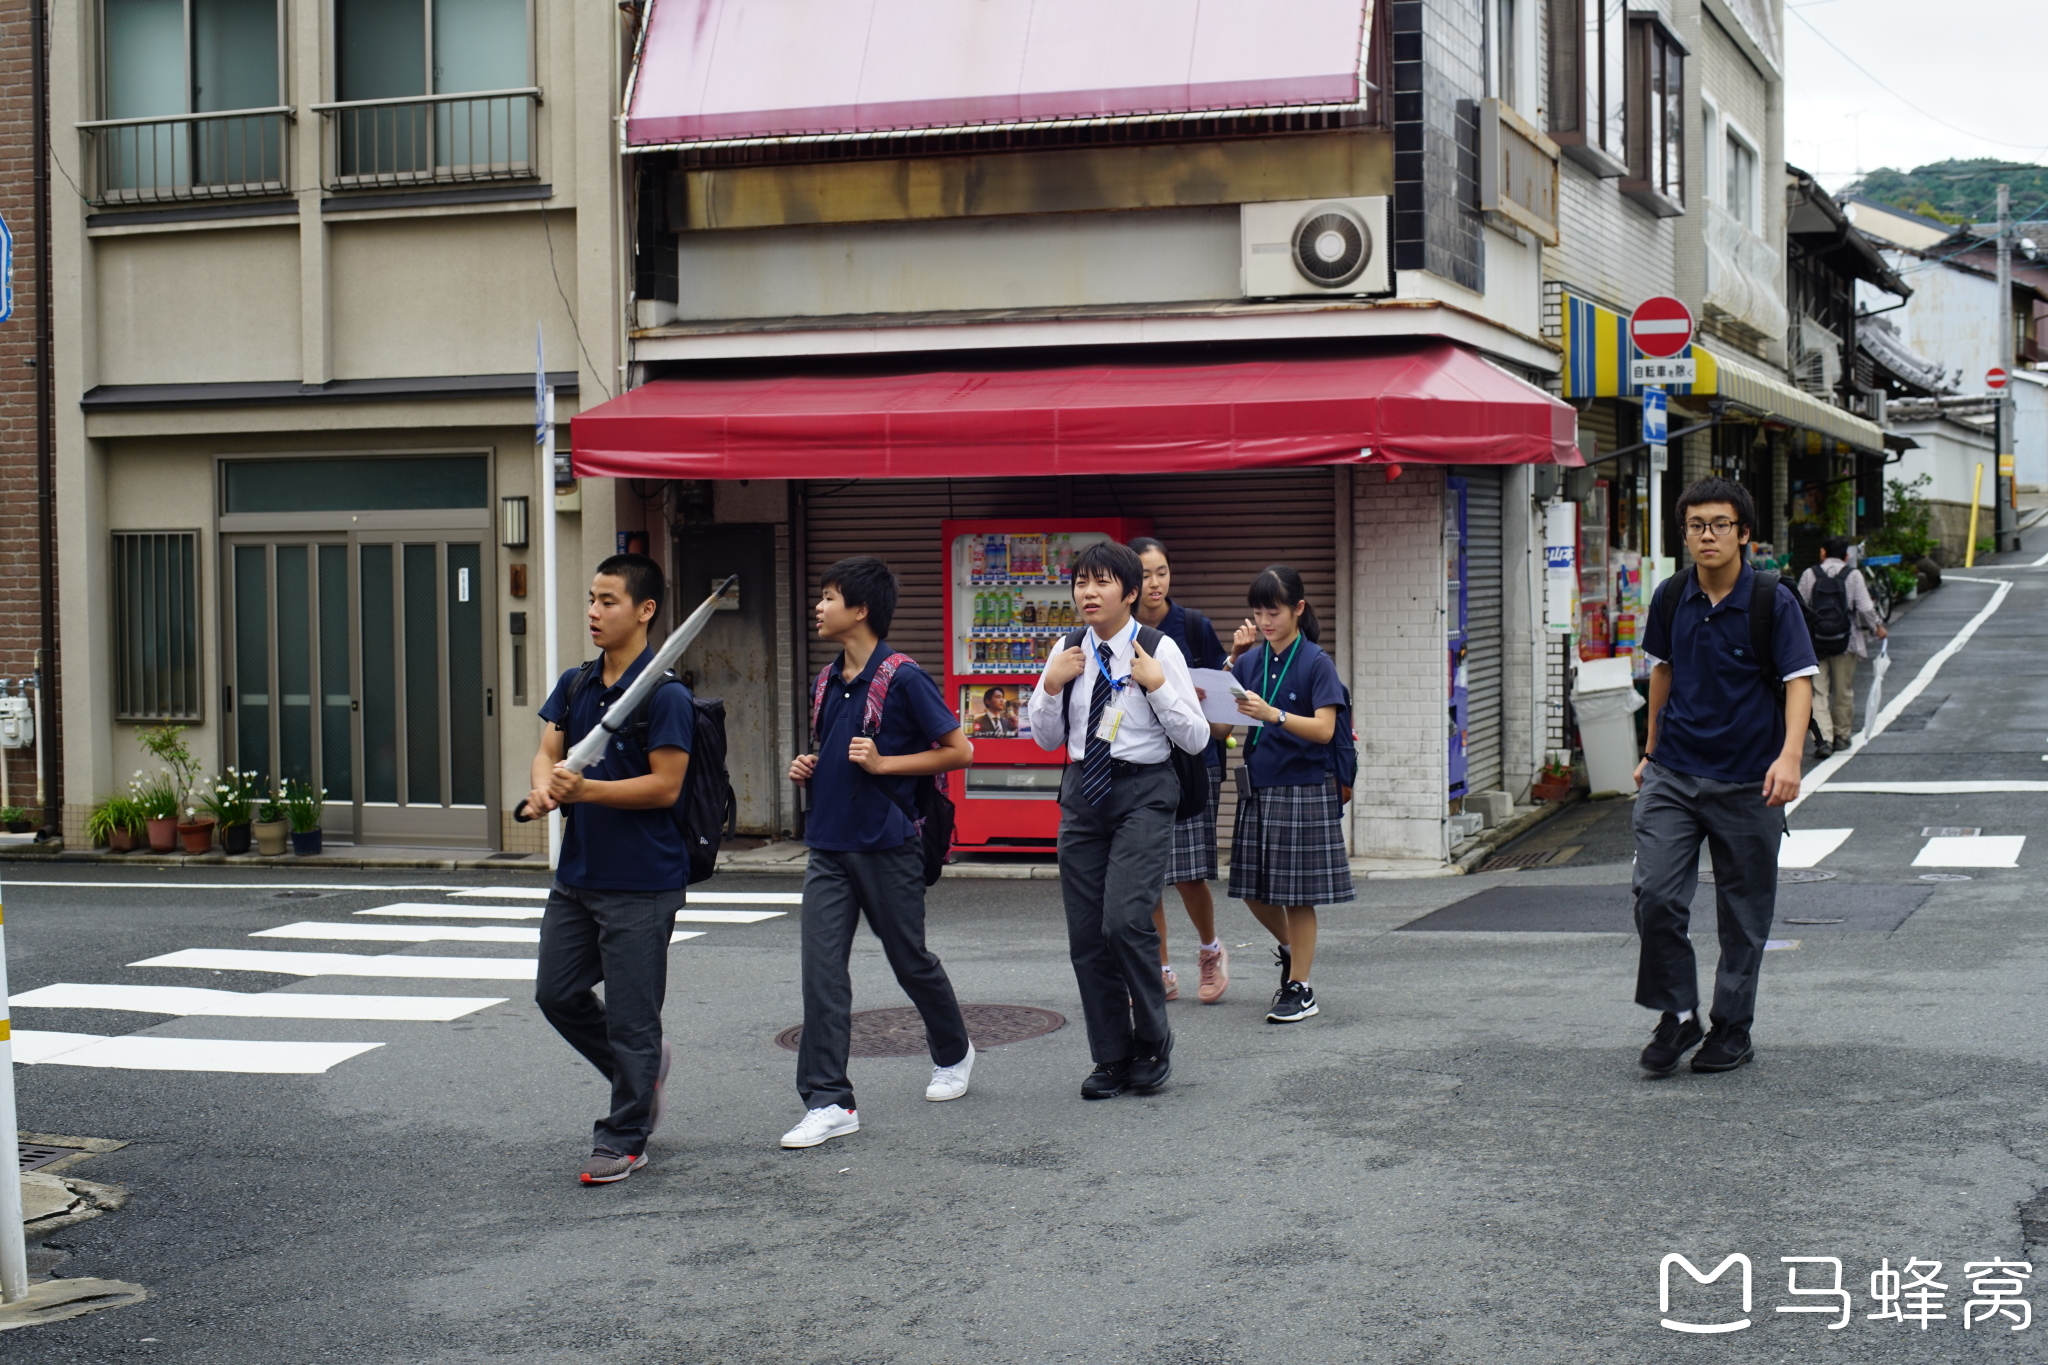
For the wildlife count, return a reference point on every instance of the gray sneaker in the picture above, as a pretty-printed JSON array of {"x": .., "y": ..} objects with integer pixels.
[{"x": 606, "y": 1166}]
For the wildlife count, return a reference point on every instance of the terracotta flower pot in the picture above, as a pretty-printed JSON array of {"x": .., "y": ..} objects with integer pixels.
[
  {"x": 1551, "y": 791},
  {"x": 121, "y": 840},
  {"x": 234, "y": 839},
  {"x": 163, "y": 834},
  {"x": 270, "y": 836},
  {"x": 307, "y": 844},
  {"x": 198, "y": 836}
]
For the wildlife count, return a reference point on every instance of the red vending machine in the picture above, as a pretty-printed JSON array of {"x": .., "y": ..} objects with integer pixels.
[{"x": 1008, "y": 602}]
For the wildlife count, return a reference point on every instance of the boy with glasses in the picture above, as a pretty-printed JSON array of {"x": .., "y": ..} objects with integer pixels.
[{"x": 1731, "y": 689}]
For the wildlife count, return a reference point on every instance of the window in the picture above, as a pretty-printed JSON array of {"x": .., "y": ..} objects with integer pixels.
[
  {"x": 1506, "y": 41},
  {"x": 221, "y": 60},
  {"x": 1656, "y": 119},
  {"x": 355, "y": 484},
  {"x": 156, "y": 625},
  {"x": 401, "y": 68},
  {"x": 1739, "y": 160},
  {"x": 1710, "y": 148},
  {"x": 1588, "y": 82}
]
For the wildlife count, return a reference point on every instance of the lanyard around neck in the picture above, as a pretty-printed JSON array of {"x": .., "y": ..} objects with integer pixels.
[
  {"x": 1115, "y": 684},
  {"x": 1288, "y": 663}
]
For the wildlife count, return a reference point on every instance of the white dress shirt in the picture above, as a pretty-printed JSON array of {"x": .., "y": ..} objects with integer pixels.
[{"x": 1152, "y": 720}]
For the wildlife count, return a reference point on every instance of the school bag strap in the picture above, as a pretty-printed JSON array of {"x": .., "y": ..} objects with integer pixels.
[
  {"x": 871, "y": 710},
  {"x": 1763, "y": 619}
]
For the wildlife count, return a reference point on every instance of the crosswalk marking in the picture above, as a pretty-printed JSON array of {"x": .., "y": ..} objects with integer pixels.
[
  {"x": 395, "y": 965},
  {"x": 1806, "y": 847},
  {"x": 1983, "y": 850},
  {"x": 424, "y": 933},
  {"x": 200, "y": 1000},
  {"x": 540, "y": 893},
  {"x": 143, "y": 1052},
  {"x": 422, "y": 910}
]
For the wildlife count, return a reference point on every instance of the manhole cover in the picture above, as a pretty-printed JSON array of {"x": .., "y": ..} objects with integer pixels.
[
  {"x": 1950, "y": 832},
  {"x": 900, "y": 1033},
  {"x": 1510, "y": 862},
  {"x": 36, "y": 1155},
  {"x": 1788, "y": 874},
  {"x": 1944, "y": 876}
]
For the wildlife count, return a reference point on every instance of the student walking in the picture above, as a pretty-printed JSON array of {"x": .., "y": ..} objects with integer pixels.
[
  {"x": 880, "y": 727},
  {"x": 623, "y": 866},
  {"x": 1192, "y": 865},
  {"x": 1730, "y": 692},
  {"x": 1843, "y": 618},
  {"x": 1287, "y": 851},
  {"x": 1119, "y": 705}
]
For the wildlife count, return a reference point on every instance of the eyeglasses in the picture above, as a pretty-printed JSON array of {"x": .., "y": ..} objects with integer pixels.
[{"x": 1720, "y": 528}]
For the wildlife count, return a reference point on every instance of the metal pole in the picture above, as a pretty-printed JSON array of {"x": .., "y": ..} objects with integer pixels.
[
  {"x": 13, "y": 1241},
  {"x": 49, "y": 744},
  {"x": 2003, "y": 530},
  {"x": 551, "y": 646},
  {"x": 1976, "y": 499}
]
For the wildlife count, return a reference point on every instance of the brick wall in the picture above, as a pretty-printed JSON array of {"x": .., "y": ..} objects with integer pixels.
[
  {"x": 20, "y": 586},
  {"x": 1399, "y": 664}
]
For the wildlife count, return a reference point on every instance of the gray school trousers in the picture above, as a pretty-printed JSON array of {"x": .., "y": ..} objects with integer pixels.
[
  {"x": 1112, "y": 869},
  {"x": 1674, "y": 813}
]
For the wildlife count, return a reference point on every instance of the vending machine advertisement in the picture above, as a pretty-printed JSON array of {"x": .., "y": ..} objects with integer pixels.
[{"x": 1009, "y": 600}]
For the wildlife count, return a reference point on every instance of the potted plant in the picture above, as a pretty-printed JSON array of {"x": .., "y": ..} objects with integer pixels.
[
  {"x": 196, "y": 830},
  {"x": 1555, "y": 783},
  {"x": 114, "y": 821},
  {"x": 16, "y": 820},
  {"x": 271, "y": 827},
  {"x": 231, "y": 802},
  {"x": 302, "y": 804},
  {"x": 166, "y": 744},
  {"x": 156, "y": 801}
]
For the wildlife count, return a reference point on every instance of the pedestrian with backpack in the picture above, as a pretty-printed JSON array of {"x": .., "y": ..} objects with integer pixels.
[
  {"x": 883, "y": 738},
  {"x": 1117, "y": 696},
  {"x": 623, "y": 868},
  {"x": 1287, "y": 851},
  {"x": 1841, "y": 618},
  {"x": 1193, "y": 863},
  {"x": 1730, "y": 694}
]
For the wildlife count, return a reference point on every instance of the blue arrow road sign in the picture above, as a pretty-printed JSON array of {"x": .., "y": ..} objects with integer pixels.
[{"x": 1654, "y": 410}]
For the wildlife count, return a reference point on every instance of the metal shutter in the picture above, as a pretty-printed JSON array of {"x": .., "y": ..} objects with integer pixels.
[{"x": 1484, "y": 650}]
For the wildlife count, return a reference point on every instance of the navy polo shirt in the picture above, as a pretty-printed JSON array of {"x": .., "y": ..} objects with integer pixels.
[
  {"x": 1206, "y": 652},
  {"x": 853, "y": 811},
  {"x": 1721, "y": 720},
  {"x": 1278, "y": 758},
  {"x": 605, "y": 848}
]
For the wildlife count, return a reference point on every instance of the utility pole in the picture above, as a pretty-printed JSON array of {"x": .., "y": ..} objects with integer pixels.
[{"x": 2005, "y": 534}]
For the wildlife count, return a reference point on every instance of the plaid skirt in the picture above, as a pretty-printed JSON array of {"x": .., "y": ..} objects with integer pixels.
[
  {"x": 1194, "y": 840},
  {"x": 1288, "y": 848}
]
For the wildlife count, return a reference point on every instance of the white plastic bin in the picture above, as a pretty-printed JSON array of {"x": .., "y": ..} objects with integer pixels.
[{"x": 1607, "y": 732}]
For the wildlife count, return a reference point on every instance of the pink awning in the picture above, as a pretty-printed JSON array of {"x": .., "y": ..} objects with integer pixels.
[
  {"x": 1434, "y": 404},
  {"x": 724, "y": 70}
]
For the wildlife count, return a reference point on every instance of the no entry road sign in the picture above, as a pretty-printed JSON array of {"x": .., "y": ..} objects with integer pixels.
[
  {"x": 1995, "y": 377},
  {"x": 1661, "y": 327}
]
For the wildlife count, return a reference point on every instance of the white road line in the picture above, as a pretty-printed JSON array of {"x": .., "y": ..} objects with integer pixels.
[
  {"x": 423, "y": 933},
  {"x": 244, "y": 886},
  {"x": 1806, "y": 847},
  {"x": 1983, "y": 850},
  {"x": 395, "y": 965},
  {"x": 1817, "y": 780},
  {"x": 1936, "y": 788},
  {"x": 199, "y": 1000},
  {"x": 540, "y": 893},
  {"x": 685, "y": 916},
  {"x": 147, "y": 1053}
]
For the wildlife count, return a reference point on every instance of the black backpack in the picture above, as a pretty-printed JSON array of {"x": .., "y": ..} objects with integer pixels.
[
  {"x": 931, "y": 806},
  {"x": 1191, "y": 769},
  {"x": 1827, "y": 613},
  {"x": 707, "y": 803},
  {"x": 1762, "y": 624}
]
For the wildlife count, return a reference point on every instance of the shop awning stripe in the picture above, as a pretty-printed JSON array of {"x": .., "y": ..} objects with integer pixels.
[{"x": 1431, "y": 404}]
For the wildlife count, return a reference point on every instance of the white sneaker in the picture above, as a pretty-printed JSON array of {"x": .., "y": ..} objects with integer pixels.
[
  {"x": 821, "y": 1125},
  {"x": 950, "y": 1082}
]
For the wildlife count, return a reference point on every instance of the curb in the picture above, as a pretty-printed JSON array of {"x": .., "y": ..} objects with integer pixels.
[
  {"x": 318, "y": 862},
  {"x": 1500, "y": 835}
]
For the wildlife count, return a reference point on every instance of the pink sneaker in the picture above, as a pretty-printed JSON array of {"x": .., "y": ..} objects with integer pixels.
[
  {"x": 1215, "y": 975},
  {"x": 1172, "y": 983}
]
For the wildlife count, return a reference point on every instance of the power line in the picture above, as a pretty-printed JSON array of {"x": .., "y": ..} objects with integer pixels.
[{"x": 1998, "y": 142}]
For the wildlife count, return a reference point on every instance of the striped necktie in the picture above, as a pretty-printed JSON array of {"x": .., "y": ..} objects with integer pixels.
[{"x": 1095, "y": 757}]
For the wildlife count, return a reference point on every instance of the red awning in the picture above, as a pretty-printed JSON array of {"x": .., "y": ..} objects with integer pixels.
[{"x": 1437, "y": 404}]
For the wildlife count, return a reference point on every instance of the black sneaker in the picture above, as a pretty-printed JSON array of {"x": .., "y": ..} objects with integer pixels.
[
  {"x": 1152, "y": 1065},
  {"x": 1107, "y": 1081},
  {"x": 1285, "y": 958},
  {"x": 1292, "y": 1003},
  {"x": 1671, "y": 1041},
  {"x": 1725, "y": 1050},
  {"x": 606, "y": 1166}
]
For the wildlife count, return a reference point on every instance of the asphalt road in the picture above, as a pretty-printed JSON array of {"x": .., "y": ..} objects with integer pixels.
[{"x": 1457, "y": 1161}]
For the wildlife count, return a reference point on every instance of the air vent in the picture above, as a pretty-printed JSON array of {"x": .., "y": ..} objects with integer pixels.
[{"x": 1316, "y": 246}]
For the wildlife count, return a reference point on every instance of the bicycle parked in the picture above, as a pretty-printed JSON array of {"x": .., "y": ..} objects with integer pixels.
[{"x": 1884, "y": 594}]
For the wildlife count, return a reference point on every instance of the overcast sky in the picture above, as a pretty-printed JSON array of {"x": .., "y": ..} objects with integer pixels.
[{"x": 1975, "y": 64}]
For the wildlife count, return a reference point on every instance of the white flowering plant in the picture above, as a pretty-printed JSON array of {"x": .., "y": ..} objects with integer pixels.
[
  {"x": 302, "y": 805},
  {"x": 233, "y": 798}
]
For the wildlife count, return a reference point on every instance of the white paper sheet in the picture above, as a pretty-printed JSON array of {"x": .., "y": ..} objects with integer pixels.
[{"x": 1217, "y": 703}]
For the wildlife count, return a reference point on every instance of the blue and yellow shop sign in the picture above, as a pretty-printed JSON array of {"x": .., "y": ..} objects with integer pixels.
[{"x": 1597, "y": 353}]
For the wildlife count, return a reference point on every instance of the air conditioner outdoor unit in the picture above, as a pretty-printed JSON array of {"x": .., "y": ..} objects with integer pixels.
[{"x": 1317, "y": 246}]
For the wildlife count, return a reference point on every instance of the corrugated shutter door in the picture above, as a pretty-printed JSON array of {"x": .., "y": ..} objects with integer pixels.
[{"x": 1484, "y": 649}]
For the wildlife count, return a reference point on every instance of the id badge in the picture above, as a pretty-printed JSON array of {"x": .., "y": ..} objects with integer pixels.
[{"x": 1111, "y": 719}]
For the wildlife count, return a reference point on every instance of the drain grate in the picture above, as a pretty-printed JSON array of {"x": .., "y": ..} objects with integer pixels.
[
  {"x": 1951, "y": 832},
  {"x": 494, "y": 857},
  {"x": 1513, "y": 862},
  {"x": 36, "y": 1155},
  {"x": 1817, "y": 921},
  {"x": 1787, "y": 875},
  {"x": 1944, "y": 876},
  {"x": 899, "y": 1032}
]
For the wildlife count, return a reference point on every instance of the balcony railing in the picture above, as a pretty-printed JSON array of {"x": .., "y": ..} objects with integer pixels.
[
  {"x": 431, "y": 139},
  {"x": 235, "y": 154}
]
